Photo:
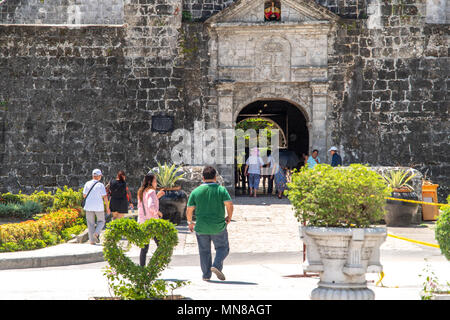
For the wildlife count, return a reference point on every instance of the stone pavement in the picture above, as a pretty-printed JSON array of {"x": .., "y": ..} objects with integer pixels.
[{"x": 264, "y": 263}]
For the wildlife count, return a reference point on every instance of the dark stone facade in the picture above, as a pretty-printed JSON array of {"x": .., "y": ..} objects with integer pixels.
[{"x": 77, "y": 98}]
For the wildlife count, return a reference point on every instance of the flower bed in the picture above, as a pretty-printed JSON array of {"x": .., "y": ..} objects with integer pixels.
[
  {"x": 50, "y": 229},
  {"x": 25, "y": 210}
]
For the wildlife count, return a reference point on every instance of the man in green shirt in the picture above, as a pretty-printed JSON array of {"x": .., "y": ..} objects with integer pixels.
[{"x": 209, "y": 201}]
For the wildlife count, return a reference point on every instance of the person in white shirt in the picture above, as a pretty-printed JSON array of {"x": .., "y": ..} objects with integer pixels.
[
  {"x": 253, "y": 167},
  {"x": 267, "y": 172},
  {"x": 94, "y": 193}
]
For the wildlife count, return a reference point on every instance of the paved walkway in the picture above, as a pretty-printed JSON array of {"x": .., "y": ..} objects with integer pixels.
[{"x": 264, "y": 263}]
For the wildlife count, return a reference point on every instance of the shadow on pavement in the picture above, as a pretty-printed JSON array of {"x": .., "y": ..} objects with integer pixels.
[{"x": 233, "y": 282}]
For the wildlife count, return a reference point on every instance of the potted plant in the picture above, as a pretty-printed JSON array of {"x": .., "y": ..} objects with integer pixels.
[
  {"x": 173, "y": 203},
  {"x": 400, "y": 213},
  {"x": 336, "y": 208},
  {"x": 433, "y": 289}
]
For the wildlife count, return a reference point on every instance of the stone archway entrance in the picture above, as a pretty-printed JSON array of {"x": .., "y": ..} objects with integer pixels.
[
  {"x": 309, "y": 99},
  {"x": 292, "y": 123},
  {"x": 251, "y": 59}
]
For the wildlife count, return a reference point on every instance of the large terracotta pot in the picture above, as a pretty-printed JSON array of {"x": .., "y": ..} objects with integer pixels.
[
  {"x": 342, "y": 257},
  {"x": 400, "y": 213}
]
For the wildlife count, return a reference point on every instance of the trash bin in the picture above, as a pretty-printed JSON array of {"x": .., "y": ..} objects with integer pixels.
[{"x": 429, "y": 194}]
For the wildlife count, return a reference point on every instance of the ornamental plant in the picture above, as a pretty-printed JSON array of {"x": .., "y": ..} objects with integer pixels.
[
  {"x": 67, "y": 198},
  {"x": 128, "y": 280},
  {"x": 167, "y": 175},
  {"x": 45, "y": 199},
  {"x": 398, "y": 179},
  {"x": 50, "y": 229},
  {"x": 9, "y": 197},
  {"x": 349, "y": 197},
  {"x": 23, "y": 210},
  {"x": 442, "y": 231}
]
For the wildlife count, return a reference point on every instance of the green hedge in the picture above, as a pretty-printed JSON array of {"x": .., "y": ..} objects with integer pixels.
[
  {"x": 23, "y": 206},
  {"x": 9, "y": 198},
  {"x": 45, "y": 199},
  {"x": 128, "y": 280},
  {"x": 349, "y": 197},
  {"x": 442, "y": 231},
  {"x": 67, "y": 198},
  {"x": 25, "y": 210}
]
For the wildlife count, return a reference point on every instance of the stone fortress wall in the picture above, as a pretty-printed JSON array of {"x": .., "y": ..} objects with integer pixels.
[
  {"x": 75, "y": 96},
  {"x": 62, "y": 12}
]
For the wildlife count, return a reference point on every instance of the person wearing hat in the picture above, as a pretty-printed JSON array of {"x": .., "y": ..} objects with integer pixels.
[
  {"x": 336, "y": 159},
  {"x": 94, "y": 193}
]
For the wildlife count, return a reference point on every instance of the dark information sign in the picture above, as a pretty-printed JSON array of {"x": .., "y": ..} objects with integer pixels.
[{"x": 162, "y": 123}]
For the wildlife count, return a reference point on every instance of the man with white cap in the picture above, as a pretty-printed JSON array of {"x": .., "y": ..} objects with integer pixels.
[
  {"x": 336, "y": 159},
  {"x": 94, "y": 193}
]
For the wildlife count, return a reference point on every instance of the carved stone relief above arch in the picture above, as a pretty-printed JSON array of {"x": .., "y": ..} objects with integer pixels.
[{"x": 273, "y": 59}]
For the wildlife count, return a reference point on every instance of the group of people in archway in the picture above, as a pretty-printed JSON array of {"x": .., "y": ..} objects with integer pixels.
[
  {"x": 256, "y": 168},
  {"x": 314, "y": 159}
]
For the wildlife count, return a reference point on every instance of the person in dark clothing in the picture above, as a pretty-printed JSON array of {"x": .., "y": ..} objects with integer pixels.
[
  {"x": 120, "y": 196},
  {"x": 336, "y": 159}
]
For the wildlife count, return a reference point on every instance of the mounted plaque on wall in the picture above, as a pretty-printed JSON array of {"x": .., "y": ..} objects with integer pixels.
[{"x": 162, "y": 123}]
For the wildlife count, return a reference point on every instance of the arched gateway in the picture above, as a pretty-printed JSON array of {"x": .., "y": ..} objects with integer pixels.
[{"x": 285, "y": 62}]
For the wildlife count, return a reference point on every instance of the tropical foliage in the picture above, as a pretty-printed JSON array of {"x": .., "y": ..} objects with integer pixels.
[
  {"x": 398, "y": 179},
  {"x": 167, "y": 175},
  {"x": 338, "y": 197},
  {"x": 23, "y": 210}
]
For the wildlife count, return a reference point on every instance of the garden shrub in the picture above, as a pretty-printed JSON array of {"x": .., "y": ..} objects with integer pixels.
[
  {"x": 25, "y": 210},
  {"x": 442, "y": 231},
  {"x": 45, "y": 199},
  {"x": 125, "y": 278},
  {"x": 351, "y": 196},
  {"x": 67, "y": 198},
  {"x": 8, "y": 197},
  {"x": 33, "y": 234}
]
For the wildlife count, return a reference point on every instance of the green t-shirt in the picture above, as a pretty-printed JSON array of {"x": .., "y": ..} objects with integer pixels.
[{"x": 208, "y": 200}]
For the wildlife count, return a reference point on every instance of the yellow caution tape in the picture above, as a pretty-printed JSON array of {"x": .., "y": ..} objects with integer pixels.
[
  {"x": 415, "y": 241},
  {"x": 379, "y": 283},
  {"x": 381, "y": 274},
  {"x": 420, "y": 202}
]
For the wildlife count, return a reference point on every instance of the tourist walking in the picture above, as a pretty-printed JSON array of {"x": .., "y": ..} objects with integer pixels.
[
  {"x": 336, "y": 159},
  {"x": 95, "y": 196},
  {"x": 313, "y": 159},
  {"x": 268, "y": 168},
  {"x": 120, "y": 196},
  {"x": 148, "y": 207},
  {"x": 253, "y": 167},
  {"x": 280, "y": 177},
  {"x": 209, "y": 201}
]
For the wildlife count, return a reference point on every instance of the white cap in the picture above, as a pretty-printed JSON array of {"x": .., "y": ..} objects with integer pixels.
[
  {"x": 332, "y": 149},
  {"x": 96, "y": 172}
]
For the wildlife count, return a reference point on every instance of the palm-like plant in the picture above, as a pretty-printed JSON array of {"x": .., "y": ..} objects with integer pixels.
[
  {"x": 167, "y": 175},
  {"x": 398, "y": 179}
]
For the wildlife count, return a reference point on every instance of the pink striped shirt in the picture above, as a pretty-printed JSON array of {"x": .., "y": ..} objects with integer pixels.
[{"x": 151, "y": 202}]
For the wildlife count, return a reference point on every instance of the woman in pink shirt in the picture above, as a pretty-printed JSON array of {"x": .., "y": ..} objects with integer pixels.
[{"x": 147, "y": 197}]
